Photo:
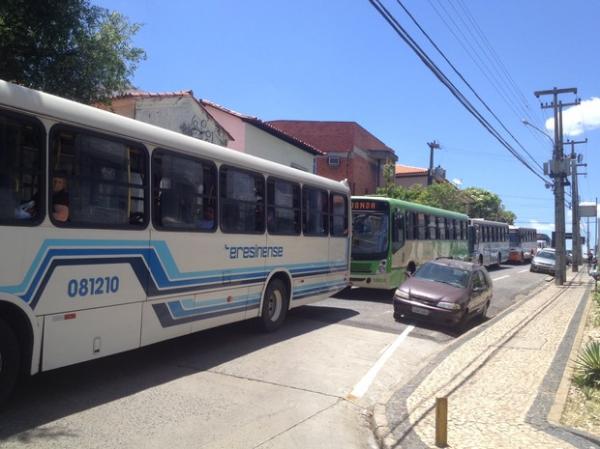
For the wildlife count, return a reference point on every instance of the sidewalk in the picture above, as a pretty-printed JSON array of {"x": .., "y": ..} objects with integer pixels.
[{"x": 500, "y": 379}]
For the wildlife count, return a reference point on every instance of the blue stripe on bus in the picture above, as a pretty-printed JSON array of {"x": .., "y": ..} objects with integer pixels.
[{"x": 154, "y": 267}]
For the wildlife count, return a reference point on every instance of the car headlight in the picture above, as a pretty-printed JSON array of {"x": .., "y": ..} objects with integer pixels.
[
  {"x": 448, "y": 305},
  {"x": 401, "y": 294}
]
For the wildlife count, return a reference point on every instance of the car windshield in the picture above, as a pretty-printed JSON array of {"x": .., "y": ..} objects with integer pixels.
[
  {"x": 444, "y": 274},
  {"x": 547, "y": 255},
  {"x": 369, "y": 235}
]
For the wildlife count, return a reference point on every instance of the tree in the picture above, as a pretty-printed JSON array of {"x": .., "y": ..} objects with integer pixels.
[
  {"x": 488, "y": 205},
  {"x": 67, "y": 47},
  {"x": 474, "y": 201}
]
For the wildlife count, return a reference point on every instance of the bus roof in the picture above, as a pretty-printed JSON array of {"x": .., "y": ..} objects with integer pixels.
[
  {"x": 490, "y": 222},
  {"x": 65, "y": 111},
  {"x": 516, "y": 228},
  {"x": 415, "y": 207}
]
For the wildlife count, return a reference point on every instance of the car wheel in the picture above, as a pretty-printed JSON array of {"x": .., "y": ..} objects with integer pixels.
[
  {"x": 532, "y": 269},
  {"x": 275, "y": 305},
  {"x": 10, "y": 360}
]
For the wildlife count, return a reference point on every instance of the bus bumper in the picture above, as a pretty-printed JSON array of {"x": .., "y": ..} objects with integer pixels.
[{"x": 376, "y": 280}]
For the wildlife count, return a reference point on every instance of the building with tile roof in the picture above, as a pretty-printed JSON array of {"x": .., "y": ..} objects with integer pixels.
[
  {"x": 406, "y": 175},
  {"x": 349, "y": 151},
  {"x": 181, "y": 112}
]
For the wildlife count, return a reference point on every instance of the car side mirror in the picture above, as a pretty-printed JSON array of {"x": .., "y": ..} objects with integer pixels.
[{"x": 478, "y": 289}]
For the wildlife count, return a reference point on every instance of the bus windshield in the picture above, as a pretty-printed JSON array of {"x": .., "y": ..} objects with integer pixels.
[
  {"x": 369, "y": 235},
  {"x": 514, "y": 239}
]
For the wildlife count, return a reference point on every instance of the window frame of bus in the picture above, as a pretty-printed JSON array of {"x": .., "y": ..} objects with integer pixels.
[
  {"x": 56, "y": 129},
  {"x": 209, "y": 163},
  {"x": 270, "y": 205},
  {"x": 42, "y": 184},
  {"x": 222, "y": 199},
  {"x": 304, "y": 211},
  {"x": 332, "y": 214}
]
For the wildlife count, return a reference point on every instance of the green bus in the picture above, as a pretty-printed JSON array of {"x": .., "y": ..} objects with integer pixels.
[{"x": 391, "y": 238}]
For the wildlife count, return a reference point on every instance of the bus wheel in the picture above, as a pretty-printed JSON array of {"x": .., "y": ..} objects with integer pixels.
[
  {"x": 480, "y": 260},
  {"x": 10, "y": 359},
  {"x": 522, "y": 261},
  {"x": 499, "y": 260},
  {"x": 275, "y": 305}
]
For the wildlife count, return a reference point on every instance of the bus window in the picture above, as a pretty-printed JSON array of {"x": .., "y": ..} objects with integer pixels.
[
  {"x": 103, "y": 181},
  {"x": 242, "y": 201},
  {"x": 21, "y": 170},
  {"x": 441, "y": 228},
  {"x": 184, "y": 192},
  {"x": 339, "y": 215},
  {"x": 410, "y": 226},
  {"x": 398, "y": 231},
  {"x": 283, "y": 207},
  {"x": 431, "y": 227},
  {"x": 315, "y": 211}
]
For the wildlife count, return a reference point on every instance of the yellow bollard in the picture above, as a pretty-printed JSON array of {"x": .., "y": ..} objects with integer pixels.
[{"x": 441, "y": 422}]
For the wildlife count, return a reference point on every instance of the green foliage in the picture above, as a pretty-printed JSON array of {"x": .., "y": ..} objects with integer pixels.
[
  {"x": 67, "y": 47},
  {"x": 587, "y": 366},
  {"x": 474, "y": 201}
]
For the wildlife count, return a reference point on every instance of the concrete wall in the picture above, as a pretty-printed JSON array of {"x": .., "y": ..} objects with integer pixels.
[
  {"x": 262, "y": 144},
  {"x": 409, "y": 181},
  {"x": 180, "y": 114},
  {"x": 234, "y": 126}
]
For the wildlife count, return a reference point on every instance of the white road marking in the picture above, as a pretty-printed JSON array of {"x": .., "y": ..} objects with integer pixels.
[
  {"x": 361, "y": 387},
  {"x": 501, "y": 277},
  {"x": 523, "y": 271}
]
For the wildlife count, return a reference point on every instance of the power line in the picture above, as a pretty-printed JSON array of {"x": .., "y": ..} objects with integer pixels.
[
  {"x": 466, "y": 82},
  {"x": 449, "y": 85}
]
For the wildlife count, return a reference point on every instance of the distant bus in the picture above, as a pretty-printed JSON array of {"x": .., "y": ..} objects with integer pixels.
[
  {"x": 488, "y": 241},
  {"x": 116, "y": 234},
  {"x": 391, "y": 238},
  {"x": 523, "y": 244}
]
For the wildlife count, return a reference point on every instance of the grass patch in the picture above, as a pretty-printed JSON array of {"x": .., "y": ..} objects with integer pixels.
[{"x": 582, "y": 409}]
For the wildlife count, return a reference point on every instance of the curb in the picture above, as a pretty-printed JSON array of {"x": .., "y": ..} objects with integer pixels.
[{"x": 381, "y": 424}]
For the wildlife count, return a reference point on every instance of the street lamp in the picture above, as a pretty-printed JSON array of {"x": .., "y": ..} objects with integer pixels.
[{"x": 527, "y": 123}]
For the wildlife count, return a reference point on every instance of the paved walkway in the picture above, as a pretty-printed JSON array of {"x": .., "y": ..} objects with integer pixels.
[{"x": 500, "y": 380}]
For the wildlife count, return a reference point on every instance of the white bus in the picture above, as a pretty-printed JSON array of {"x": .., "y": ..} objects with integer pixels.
[
  {"x": 488, "y": 241},
  {"x": 115, "y": 234},
  {"x": 523, "y": 244}
]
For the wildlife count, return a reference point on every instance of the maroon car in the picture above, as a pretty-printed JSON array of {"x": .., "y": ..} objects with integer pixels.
[{"x": 445, "y": 290}]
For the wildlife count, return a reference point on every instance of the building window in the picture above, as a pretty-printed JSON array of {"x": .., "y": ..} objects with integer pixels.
[{"x": 333, "y": 161}]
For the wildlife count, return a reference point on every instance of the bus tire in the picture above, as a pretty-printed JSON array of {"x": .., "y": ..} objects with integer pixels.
[
  {"x": 499, "y": 260},
  {"x": 10, "y": 360},
  {"x": 480, "y": 260},
  {"x": 275, "y": 306}
]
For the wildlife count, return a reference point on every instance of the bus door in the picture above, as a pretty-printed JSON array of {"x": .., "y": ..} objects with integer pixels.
[{"x": 94, "y": 256}]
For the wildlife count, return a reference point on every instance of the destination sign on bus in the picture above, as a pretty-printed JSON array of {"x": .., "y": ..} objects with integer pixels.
[{"x": 368, "y": 205}]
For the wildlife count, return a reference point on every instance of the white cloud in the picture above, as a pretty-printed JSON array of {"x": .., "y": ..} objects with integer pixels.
[
  {"x": 457, "y": 181},
  {"x": 580, "y": 118},
  {"x": 542, "y": 228}
]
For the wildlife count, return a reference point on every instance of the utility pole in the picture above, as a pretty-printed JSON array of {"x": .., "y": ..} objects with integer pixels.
[
  {"x": 432, "y": 146},
  {"x": 575, "y": 209},
  {"x": 558, "y": 171}
]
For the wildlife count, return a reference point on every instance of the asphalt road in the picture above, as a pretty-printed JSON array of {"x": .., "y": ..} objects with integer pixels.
[{"x": 310, "y": 384}]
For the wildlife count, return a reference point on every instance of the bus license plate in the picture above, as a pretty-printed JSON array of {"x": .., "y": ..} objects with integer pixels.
[{"x": 419, "y": 310}]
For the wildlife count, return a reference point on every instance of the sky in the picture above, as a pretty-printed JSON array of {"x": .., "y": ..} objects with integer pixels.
[{"x": 340, "y": 60}]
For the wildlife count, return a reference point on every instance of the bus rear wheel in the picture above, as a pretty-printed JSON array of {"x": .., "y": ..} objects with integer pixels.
[
  {"x": 275, "y": 305},
  {"x": 10, "y": 360}
]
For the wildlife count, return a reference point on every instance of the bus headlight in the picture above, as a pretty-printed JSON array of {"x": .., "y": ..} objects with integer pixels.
[{"x": 382, "y": 265}]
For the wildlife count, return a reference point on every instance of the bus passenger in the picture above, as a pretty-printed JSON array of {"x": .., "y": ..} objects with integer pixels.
[{"x": 60, "y": 198}]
